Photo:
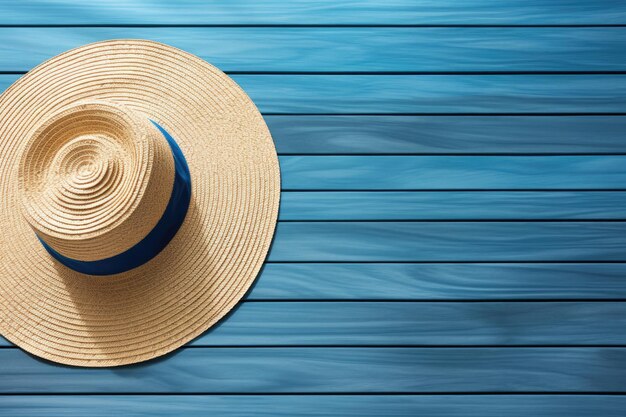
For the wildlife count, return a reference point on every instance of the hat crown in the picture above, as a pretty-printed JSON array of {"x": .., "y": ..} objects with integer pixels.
[{"x": 94, "y": 179}]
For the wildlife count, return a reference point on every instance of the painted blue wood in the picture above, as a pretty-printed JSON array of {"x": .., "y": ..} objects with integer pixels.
[
  {"x": 399, "y": 370},
  {"x": 314, "y": 405},
  {"x": 454, "y": 241},
  {"x": 431, "y": 324},
  {"x": 298, "y": 12},
  {"x": 355, "y": 49},
  {"x": 328, "y": 370},
  {"x": 447, "y": 134},
  {"x": 419, "y": 323},
  {"x": 452, "y": 205},
  {"x": 452, "y": 172},
  {"x": 457, "y": 281},
  {"x": 436, "y": 94},
  {"x": 408, "y": 323},
  {"x": 431, "y": 94}
]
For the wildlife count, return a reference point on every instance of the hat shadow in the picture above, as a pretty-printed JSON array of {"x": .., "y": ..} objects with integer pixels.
[
  {"x": 145, "y": 299},
  {"x": 140, "y": 298}
]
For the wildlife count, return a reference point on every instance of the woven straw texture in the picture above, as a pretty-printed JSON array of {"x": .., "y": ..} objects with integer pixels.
[{"x": 107, "y": 191}]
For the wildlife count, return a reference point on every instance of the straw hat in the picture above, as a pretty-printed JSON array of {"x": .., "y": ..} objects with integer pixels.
[{"x": 139, "y": 190}]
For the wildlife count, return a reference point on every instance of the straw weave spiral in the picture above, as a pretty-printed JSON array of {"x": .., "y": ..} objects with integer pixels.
[{"x": 95, "y": 179}]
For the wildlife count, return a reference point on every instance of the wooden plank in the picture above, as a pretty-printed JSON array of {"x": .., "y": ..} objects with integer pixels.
[
  {"x": 428, "y": 324},
  {"x": 297, "y": 12},
  {"x": 453, "y": 172},
  {"x": 331, "y": 370},
  {"x": 455, "y": 241},
  {"x": 452, "y": 205},
  {"x": 314, "y": 405},
  {"x": 423, "y": 281},
  {"x": 430, "y": 94},
  {"x": 437, "y": 94},
  {"x": 420, "y": 324},
  {"x": 447, "y": 134},
  {"x": 324, "y": 49}
]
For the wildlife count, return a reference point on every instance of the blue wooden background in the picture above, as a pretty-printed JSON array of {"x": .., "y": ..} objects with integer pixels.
[{"x": 452, "y": 235}]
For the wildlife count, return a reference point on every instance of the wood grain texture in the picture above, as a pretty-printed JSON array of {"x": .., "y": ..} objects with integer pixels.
[
  {"x": 447, "y": 134},
  {"x": 299, "y": 12},
  {"x": 330, "y": 87},
  {"x": 452, "y": 172},
  {"x": 471, "y": 281},
  {"x": 452, "y": 205},
  {"x": 314, "y": 405},
  {"x": 454, "y": 241},
  {"x": 436, "y": 94},
  {"x": 430, "y": 94},
  {"x": 324, "y": 49},
  {"x": 328, "y": 370},
  {"x": 419, "y": 323},
  {"x": 410, "y": 323}
]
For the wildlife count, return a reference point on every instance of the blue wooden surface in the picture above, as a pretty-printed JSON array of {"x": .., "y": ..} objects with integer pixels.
[
  {"x": 350, "y": 135},
  {"x": 448, "y": 242},
  {"x": 315, "y": 405},
  {"x": 451, "y": 172},
  {"x": 452, "y": 236},
  {"x": 440, "y": 281},
  {"x": 299, "y": 12},
  {"x": 452, "y": 205},
  {"x": 340, "y": 370},
  {"x": 371, "y": 49}
]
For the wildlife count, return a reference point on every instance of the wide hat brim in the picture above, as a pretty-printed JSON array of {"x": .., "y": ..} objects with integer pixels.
[{"x": 56, "y": 313}]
